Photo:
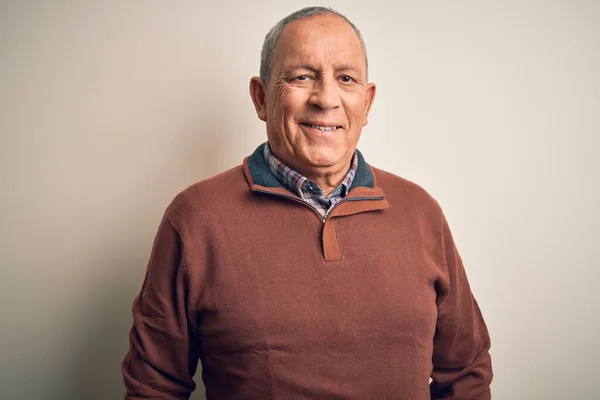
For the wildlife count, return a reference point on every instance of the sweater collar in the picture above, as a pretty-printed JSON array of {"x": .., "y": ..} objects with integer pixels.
[{"x": 261, "y": 175}]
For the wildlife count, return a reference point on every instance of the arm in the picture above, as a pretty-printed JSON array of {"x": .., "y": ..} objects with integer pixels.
[
  {"x": 462, "y": 368},
  {"x": 163, "y": 354}
]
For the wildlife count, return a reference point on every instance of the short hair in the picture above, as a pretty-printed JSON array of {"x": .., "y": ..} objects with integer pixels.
[{"x": 271, "y": 39}]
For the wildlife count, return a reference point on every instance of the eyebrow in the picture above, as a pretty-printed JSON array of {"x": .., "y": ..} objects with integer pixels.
[
  {"x": 308, "y": 67},
  {"x": 346, "y": 67},
  {"x": 303, "y": 66}
]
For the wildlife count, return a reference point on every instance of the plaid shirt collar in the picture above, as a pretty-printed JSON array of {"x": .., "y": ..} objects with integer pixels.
[{"x": 301, "y": 185}]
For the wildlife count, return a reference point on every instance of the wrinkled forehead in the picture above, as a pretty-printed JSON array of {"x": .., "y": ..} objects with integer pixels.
[{"x": 322, "y": 41}]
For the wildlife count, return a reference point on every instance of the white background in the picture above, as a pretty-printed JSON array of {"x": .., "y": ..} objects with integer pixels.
[{"x": 108, "y": 109}]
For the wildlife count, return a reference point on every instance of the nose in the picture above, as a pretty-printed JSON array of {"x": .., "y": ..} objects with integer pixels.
[{"x": 325, "y": 94}]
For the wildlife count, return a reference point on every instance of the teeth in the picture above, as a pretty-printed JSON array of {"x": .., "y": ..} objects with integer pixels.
[{"x": 323, "y": 128}]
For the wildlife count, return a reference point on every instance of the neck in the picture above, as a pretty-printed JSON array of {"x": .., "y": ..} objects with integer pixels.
[
  {"x": 328, "y": 178},
  {"x": 328, "y": 181}
]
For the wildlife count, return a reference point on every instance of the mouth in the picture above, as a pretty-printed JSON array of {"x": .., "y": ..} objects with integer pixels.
[{"x": 321, "y": 127}]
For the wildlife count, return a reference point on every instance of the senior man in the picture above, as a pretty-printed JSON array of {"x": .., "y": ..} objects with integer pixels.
[{"x": 305, "y": 273}]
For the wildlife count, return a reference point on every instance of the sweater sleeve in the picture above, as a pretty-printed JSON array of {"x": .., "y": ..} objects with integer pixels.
[
  {"x": 462, "y": 367},
  {"x": 163, "y": 355}
]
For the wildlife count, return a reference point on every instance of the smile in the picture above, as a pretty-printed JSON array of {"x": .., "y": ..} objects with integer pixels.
[{"x": 321, "y": 127}]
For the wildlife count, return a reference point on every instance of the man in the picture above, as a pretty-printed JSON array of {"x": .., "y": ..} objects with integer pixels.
[{"x": 305, "y": 273}]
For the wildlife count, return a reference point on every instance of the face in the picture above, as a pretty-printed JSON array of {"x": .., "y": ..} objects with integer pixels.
[{"x": 318, "y": 99}]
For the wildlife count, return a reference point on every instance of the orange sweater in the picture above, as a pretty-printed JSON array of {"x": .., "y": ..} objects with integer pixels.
[{"x": 278, "y": 305}]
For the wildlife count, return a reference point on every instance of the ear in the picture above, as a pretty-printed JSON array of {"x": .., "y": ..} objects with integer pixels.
[
  {"x": 370, "y": 97},
  {"x": 258, "y": 91}
]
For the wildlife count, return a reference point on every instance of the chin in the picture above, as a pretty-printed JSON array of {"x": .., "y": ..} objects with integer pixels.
[{"x": 323, "y": 158}]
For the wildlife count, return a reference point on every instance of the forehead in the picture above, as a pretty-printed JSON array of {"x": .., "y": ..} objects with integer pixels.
[{"x": 323, "y": 38}]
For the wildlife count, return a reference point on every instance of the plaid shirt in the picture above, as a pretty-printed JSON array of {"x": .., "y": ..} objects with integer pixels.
[{"x": 306, "y": 189}]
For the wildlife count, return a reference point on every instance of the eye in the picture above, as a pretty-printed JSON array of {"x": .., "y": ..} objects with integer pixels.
[
  {"x": 301, "y": 78},
  {"x": 347, "y": 79}
]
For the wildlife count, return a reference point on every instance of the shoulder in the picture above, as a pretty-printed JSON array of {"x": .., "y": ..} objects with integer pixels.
[
  {"x": 206, "y": 196},
  {"x": 400, "y": 191}
]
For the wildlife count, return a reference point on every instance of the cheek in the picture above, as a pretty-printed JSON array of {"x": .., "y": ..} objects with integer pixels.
[
  {"x": 292, "y": 101},
  {"x": 355, "y": 109}
]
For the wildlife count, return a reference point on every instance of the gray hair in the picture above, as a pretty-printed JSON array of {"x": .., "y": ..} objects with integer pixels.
[{"x": 271, "y": 39}]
